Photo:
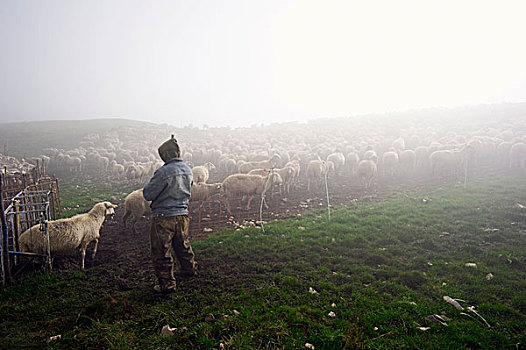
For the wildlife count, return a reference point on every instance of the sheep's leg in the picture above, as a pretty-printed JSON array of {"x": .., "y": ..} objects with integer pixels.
[
  {"x": 95, "y": 249},
  {"x": 265, "y": 203},
  {"x": 134, "y": 221},
  {"x": 125, "y": 217},
  {"x": 228, "y": 209},
  {"x": 82, "y": 255}
]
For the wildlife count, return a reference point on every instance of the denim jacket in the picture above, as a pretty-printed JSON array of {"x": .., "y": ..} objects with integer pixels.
[{"x": 169, "y": 189}]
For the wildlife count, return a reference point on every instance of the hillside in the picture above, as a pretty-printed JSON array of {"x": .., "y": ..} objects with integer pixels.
[{"x": 28, "y": 138}]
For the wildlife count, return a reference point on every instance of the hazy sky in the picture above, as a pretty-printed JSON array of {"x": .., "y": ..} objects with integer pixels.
[{"x": 242, "y": 62}]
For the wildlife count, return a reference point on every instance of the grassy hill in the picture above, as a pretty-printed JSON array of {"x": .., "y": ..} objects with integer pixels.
[{"x": 28, "y": 138}]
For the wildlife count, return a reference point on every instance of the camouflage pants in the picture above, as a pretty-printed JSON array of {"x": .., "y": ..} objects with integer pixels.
[{"x": 167, "y": 233}]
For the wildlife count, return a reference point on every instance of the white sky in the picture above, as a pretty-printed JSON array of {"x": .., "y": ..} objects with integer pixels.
[{"x": 242, "y": 62}]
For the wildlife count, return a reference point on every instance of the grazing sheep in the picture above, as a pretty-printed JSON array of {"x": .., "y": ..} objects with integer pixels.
[
  {"x": 74, "y": 164},
  {"x": 247, "y": 186},
  {"x": 351, "y": 162},
  {"x": 422, "y": 157},
  {"x": 287, "y": 174},
  {"x": 202, "y": 191},
  {"x": 69, "y": 235},
  {"x": 316, "y": 171},
  {"x": 367, "y": 172},
  {"x": 407, "y": 160},
  {"x": 398, "y": 144},
  {"x": 518, "y": 155},
  {"x": 295, "y": 164},
  {"x": 202, "y": 172},
  {"x": 446, "y": 162},
  {"x": 503, "y": 153},
  {"x": 228, "y": 166},
  {"x": 371, "y": 155},
  {"x": 390, "y": 163},
  {"x": 117, "y": 170},
  {"x": 136, "y": 206},
  {"x": 264, "y": 164},
  {"x": 338, "y": 160},
  {"x": 188, "y": 157}
]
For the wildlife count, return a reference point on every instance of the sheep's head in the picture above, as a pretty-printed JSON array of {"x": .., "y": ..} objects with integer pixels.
[
  {"x": 276, "y": 179},
  {"x": 110, "y": 208},
  {"x": 210, "y": 166},
  {"x": 275, "y": 159}
]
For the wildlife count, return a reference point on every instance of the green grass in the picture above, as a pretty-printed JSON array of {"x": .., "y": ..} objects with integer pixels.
[
  {"x": 80, "y": 195},
  {"x": 385, "y": 266}
]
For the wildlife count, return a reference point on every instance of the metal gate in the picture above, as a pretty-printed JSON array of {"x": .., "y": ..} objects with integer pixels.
[{"x": 34, "y": 205}]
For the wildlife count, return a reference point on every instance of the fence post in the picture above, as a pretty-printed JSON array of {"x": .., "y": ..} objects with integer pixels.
[
  {"x": 15, "y": 219},
  {"x": 6, "y": 269}
]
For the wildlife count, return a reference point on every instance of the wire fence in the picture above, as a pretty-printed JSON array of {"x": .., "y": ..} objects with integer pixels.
[{"x": 212, "y": 214}]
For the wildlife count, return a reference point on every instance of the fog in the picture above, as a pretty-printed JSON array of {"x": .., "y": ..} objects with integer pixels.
[{"x": 241, "y": 63}]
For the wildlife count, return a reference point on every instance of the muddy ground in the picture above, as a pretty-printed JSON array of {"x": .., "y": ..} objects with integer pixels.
[{"x": 125, "y": 257}]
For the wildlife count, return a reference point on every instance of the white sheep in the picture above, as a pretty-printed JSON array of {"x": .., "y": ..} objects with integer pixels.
[
  {"x": 338, "y": 160},
  {"x": 228, "y": 166},
  {"x": 518, "y": 155},
  {"x": 407, "y": 160},
  {"x": 202, "y": 172},
  {"x": 247, "y": 186},
  {"x": 398, "y": 144},
  {"x": 371, "y": 155},
  {"x": 503, "y": 152},
  {"x": 316, "y": 171},
  {"x": 136, "y": 206},
  {"x": 74, "y": 164},
  {"x": 390, "y": 163},
  {"x": 367, "y": 172},
  {"x": 202, "y": 191},
  {"x": 287, "y": 175},
  {"x": 422, "y": 157},
  {"x": 244, "y": 168},
  {"x": 351, "y": 162},
  {"x": 69, "y": 235},
  {"x": 446, "y": 162},
  {"x": 117, "y": 170},
  {"x": 295, "y": 164}
]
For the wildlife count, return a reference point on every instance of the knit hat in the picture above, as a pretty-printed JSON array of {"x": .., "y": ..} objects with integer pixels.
[{"x": 169, "y": 149}]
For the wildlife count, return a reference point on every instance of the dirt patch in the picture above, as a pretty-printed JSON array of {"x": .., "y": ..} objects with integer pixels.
[{"x": 125, "y": 255}]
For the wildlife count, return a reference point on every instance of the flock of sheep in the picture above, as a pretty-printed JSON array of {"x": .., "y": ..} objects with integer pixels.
[
  {"x": 246, "y": 162},
  {"x": 14, "y": 171}
]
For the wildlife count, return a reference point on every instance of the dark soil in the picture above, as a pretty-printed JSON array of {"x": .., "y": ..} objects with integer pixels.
[{"x": 125, "y": 255}]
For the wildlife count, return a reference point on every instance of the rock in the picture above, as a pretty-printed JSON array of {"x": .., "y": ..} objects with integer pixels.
[{"x": 167, "y": 330}]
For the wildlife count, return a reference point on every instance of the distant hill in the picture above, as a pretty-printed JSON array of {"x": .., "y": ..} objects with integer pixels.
[{"x": 28, "y": 138}]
